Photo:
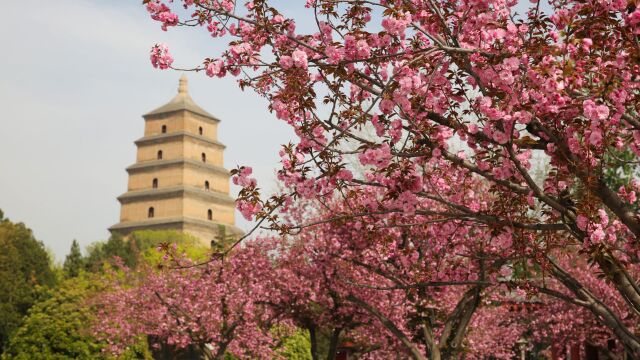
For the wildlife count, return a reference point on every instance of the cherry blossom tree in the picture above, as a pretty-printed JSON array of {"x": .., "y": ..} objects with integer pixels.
[
  {"x": 421, "y": 291},
  {"x": 212, "y": 308},
  {"x": 564, "y": 324},
  {"x": 410, "y": 107}
]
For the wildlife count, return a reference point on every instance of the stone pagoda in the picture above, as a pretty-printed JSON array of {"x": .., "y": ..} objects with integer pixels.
[{"x": 179, "y": 181}]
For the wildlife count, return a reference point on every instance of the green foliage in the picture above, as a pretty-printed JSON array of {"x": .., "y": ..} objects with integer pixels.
[
  {"x": 148, "y": 241},
  {"x": 74, "y": 262},
  {"x": 141, "y": 246},
  {"x": 296, "y": 346},
  {"x": 25, "y": 271},
  {"x": 105, "y": 252},
  {"x": 58, "y": 327},
  {"x": 624, "y": 168}
]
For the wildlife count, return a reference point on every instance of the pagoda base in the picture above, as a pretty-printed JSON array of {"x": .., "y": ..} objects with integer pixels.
[{"x": 209, "y": 232}]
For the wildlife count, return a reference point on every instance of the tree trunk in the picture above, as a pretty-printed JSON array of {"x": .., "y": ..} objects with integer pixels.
[
  {"x": 606, "y": 317},
  {"x": 314, "y": 342},
  {"x": 333, "y": 345}
]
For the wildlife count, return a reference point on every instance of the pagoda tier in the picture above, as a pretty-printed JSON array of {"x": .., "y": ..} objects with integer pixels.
[{"x": 179, "y": 181}]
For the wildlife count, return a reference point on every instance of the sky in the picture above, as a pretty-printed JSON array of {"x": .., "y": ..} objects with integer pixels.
[{"x": 75, "y": 79}]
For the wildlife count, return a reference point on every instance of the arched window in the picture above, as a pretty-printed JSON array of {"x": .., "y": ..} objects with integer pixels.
[
  {"x": 206, "y": 185},
  {"x": 159, "y": 154},
  {"x": 209, "y": 214},
  {"x": 164, "y": 129},
  {"x": 204, "y": 157},
  {"x": 200, "y": 130},
  {"x": 151, "y": 212},
  {"x": 155, "y": 183}
]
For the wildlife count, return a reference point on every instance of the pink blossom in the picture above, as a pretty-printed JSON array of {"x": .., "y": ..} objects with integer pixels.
[
  {"x": 299, "y": 59},
  {"x": 335, "y": 54},
  {"x": 595, "y": 138},
  {"x": 379, "y": 157},
  {"x": 386, "y": 106},
  {"x": 595, "y": 112},
  {"x": 248, "y": 210},
  {"x": 160, "y": 56},
  {"x": 506, "y": 77},
  {"x": 582, "y": 222},
  {"x": 286, "y": 61},
  {"x": 215, "y": 68},
  {"x": 597, "y": 235},
  {"x": 604, "y": 218}
]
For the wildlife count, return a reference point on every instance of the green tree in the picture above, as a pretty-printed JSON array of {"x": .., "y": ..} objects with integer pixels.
[
  {"x": 116, "y": 246},
  {"x": 296, "y": 346},
  {"x": 25, "y": 272},
  {"x": 74, "y": 262},
  {"x": 141, "y": 246},
  {"x": 59, "y": 326}
]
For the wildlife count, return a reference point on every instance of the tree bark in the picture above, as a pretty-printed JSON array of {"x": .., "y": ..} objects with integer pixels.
[
  {"x": 333, "y": 345},
  {"x": 389, "y": 325},
  {"x": 602, "y": 312},
  {"x": 314, "y": 342}
]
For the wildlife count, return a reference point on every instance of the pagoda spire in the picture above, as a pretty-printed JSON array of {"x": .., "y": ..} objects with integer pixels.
[{"x": 183, "y": 85}]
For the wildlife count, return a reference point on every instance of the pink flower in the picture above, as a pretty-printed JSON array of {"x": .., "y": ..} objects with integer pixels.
[
  {"x": 286, "y": 62},
  {"x": 574, "y": 145},
  {"x": 386, "y": 106},
  {"x": 248, "y": 210},
  {"x": 511, "y": 63},
  {"x": 363, "y": 49},
  {"x": 335, "y": 54},
  {"x": 379, "y": 157},
  {"x": 582, "y": 222},
  {"x": 344, "y": 174},
  {"x": 596, "y": 137},
  {"x": 597, "y": 235},
  {"x": 604, "y": 218},
  {"x": 595, "y": 112},
  {"x": 299, "y": 59},
  {"x": 506, "y": 77},
  {"x": 160, "y": 57},
  {"x": 242, "y": 178},
  {"x": 216, "y": 68}
]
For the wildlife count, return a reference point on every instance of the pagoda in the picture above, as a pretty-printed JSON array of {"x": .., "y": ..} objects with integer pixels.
[{"x": 179, "y": 181}]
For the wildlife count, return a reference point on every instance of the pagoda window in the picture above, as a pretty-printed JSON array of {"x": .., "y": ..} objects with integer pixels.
[
  {"x": 209, "y": 214},
  {"x": 206, "y": 185},
  {"x": 200, "y": 130},
  {"x": 151, "y": 212},
  {"x": 164, "y": 129},
  {"x": 155, "y": 183},
  {"x": 204, "y": 157},
  {"x": 159, "y": 154}
]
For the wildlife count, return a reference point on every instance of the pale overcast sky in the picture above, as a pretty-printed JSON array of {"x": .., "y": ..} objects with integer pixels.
[{"x": 75, "y": 78}]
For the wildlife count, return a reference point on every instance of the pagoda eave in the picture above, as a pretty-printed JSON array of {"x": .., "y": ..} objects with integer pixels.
[{"x": 177, "y": 191}]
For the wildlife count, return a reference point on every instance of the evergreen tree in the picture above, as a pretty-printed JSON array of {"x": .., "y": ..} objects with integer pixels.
[
  {"x": 116, "y": 246},
  {"x": 74, "y": 261},
  {"x": 59, "y": 326},
  {"x": 25, "y": 270}
]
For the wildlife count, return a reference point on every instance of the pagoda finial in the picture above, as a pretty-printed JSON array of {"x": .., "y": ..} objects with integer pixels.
[{"x": 183, "y": 86}]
